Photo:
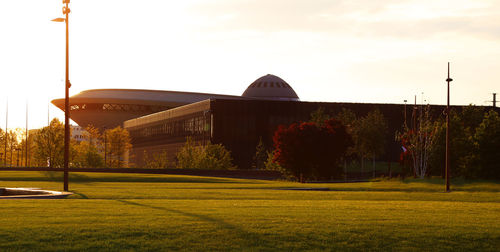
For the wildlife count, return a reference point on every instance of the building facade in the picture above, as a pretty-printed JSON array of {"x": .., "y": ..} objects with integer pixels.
[{"x": 161, "y": 121}]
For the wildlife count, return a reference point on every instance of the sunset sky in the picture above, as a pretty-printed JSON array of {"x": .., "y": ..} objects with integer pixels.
[{"x": 327, "y": 50}]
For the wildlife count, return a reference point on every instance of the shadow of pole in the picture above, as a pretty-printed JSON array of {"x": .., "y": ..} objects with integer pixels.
[{"x": 249, "y": 237}]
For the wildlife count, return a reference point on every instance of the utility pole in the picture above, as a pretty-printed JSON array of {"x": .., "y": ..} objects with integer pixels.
[
  {"x": 406, "y": 126},
  {"x": 6, "y": 129},
  {"x": 26, "y": 143},
  {"x": 447, "y": 167},
  {"x": 67, "y": 85},
  {"x": 105, "y": 148}
]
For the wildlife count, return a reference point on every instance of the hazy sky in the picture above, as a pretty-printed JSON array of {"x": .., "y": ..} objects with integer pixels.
[{"x": 327, "y": 50}]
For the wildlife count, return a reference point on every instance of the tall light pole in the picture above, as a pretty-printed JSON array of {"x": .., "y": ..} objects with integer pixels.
[
  {"x": 405, "y": 115},
  {"x": 67, "y": 85},
  {"x": 26, "y": 161},
  {"x": 6, "y": 129},
  {"x": 447, "y": 167}
]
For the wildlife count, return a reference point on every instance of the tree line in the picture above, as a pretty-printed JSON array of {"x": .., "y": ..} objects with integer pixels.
[
  {"x": 45, "y": 147},
  {"x": 321, "y": 148},
  {"x": 474, "y": 144}
]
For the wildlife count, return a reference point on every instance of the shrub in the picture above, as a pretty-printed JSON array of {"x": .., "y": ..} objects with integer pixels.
[
  {"x": 211, "y": 156},
  {"x": 311, "y": 151}
]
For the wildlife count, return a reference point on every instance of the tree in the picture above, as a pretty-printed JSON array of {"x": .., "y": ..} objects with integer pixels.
[
  {"x": 271, "y": 165},
  {"x": 93, "y": 136},
  {"x": 419, "y": 141},
  {"x": 463, "y": 155},
  {"x": 461, "y": 144},
  {"x": 319, "y": 116},
  {"x": 86, "y": 155},
  {"x": 117, "y": 146},
  {"x": 260, "y": 156},
  {"x": 215, "y": 157},
  {"x": 89, "y": 152},
  {"x": 156, "y": 160},
  {"x": 210, "y": 156},
  {"x": 349, "y": 119},
  {"x": 49, "y": 145},
  {"x": 487, "y": 142},
  {"x": 309, "y": 151},
  {"x": 371, "y": 135},
  {"x": 188, "y": 155}
]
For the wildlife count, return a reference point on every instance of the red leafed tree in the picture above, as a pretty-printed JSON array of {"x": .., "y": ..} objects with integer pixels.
[{"x": 311, "y": 150}]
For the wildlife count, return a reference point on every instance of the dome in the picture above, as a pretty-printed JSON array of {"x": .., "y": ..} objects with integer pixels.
[{"x": 271, "y": 87}]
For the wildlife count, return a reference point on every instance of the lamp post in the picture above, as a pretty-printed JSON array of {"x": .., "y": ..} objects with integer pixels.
[
  {"x": 105, "y": 148},
  {"x": 67, "y": 85},
  {"x": 405, "y": 114},
  {"x": 18, "y": 150},
  {"x": 447, "y": 167}
]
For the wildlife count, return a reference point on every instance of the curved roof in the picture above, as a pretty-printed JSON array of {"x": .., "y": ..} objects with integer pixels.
[
  {"x": 140, "y": 96},
  {"x": 105, "y": 118},
  {"x": 271, "y": 87}
]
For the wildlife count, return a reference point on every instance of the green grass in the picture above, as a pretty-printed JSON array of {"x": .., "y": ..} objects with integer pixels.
[{"x": 160, "y": 212}]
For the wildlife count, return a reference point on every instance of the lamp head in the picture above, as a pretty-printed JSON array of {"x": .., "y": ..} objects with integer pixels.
[{"x": 58, "y": 20}]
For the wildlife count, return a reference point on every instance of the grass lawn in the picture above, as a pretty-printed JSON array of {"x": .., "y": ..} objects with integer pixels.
[{"x": 161, "y": 212}]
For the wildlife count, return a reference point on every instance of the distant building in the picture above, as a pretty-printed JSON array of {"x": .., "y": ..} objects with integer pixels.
[{"x": 78, "y": 133}]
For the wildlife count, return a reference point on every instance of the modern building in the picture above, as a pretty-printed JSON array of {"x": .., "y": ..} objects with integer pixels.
[
  {"x": 162, "y": 120},
  {"x": 108, "y": 108}
]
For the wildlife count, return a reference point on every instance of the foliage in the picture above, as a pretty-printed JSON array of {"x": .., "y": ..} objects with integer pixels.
[
  {"x": 461, "y": 144},
  {"x": 310, "y": 150},
  {"x": 419, "y": 141},
  {"x": 46, "y": 147},
  {"x": 319, "y": 116},
  {"x": 10, "y": 146},
  {"x": 93, "y": 136},
  {"x": 487, "y": 142},
  {"x": 210, "y": 156},
  {"x": 371, "y": 132},
  {"x": 270, "y": 164},
  {"x": 49, "y": 145},
  {"x": 158, "y": 160},
  {"x": 260, "y": 156},
  {"x": 371, "y": 136},
  {"x": 86, "y": 155},
  {"x": 349, "y": 119},
  {"x": 471, "y": 132},
  {"x": 188, "y": 155},
  {"x": 117, "y": 146},
  {"x": 215, "y": 157}
]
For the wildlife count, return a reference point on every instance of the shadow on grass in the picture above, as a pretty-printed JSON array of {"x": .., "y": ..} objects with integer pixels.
[
  {"x": 436, "y": 185},
  {"x": 250, "y": 237},
  {"x": 83, "y": 196},
  {"x": 81, "y": 178}
]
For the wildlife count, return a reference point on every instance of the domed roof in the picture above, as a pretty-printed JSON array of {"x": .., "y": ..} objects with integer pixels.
[{"x": 271, "y": 87}]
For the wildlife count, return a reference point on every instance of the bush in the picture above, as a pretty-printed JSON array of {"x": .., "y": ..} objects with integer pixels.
[
  {"x": 487, "y": 142},
  {"x": 310, "y": 151},
  {"x": 156, "y": 161},
  {"x": 211, "y": 156}
]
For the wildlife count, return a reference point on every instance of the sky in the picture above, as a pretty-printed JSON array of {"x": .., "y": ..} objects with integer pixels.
[{"x": 364, "y": 51}]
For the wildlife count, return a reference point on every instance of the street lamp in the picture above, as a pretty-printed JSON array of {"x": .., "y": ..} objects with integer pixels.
[
  {"x": 405, "y": 114},
  {"x": 18, "y": 150},
  {"x": 447, "y": 167},
  {"x": 67, "y": 85}
]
